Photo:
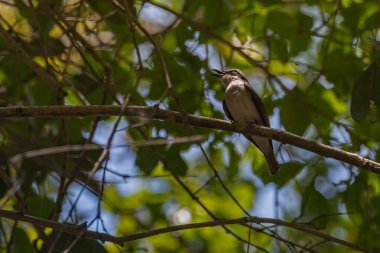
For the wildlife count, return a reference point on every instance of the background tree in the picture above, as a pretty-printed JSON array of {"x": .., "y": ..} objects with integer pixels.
[{"x": 131, "y": 168}]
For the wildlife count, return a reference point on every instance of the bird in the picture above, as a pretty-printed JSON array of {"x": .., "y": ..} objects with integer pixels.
[{"x": 241, "y": 103}]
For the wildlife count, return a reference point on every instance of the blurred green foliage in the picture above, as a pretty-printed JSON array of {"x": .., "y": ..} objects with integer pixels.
[{"x": 315, "y": 63}]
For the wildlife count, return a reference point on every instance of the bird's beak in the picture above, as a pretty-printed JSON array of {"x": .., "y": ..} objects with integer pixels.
[{"x": 217, "y": 73}]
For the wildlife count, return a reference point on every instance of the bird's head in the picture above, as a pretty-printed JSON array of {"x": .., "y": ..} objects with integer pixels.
[{"x": 227, "y": 76}]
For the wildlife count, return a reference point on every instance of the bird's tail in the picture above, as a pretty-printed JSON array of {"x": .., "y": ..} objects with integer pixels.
[{"x": 272, "y": 163}]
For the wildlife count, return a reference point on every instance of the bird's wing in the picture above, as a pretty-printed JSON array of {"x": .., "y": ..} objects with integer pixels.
[
  {"x": 262, "y": 111},
  {"x": 259, "y": 105},
  {"x": 226, "y": 111}
]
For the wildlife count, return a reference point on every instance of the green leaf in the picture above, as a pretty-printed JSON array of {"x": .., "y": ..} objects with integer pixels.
[
  {"x": 75, "y": 127},
  {"x": 326, "y": 100},
  {"x": 373, "y": 22},
  {"x": 241, "y": 35},
  {"x": 21, "y": 243},
  {"x": 40, "y": 93},
  {"x": 294, "y": 117},
  {"x": 103, "y": 7},
  {"x": 300, "y": 41},
  {"x": 352, "y": 16},
  {"x": 298, "y": 44},
  {"x": 328, "y": 103},
  {"x": 363, "y": 92},
  {"x": 40, "y": 206},
  {"x": 216, "y": 12},
  {"x": 258, "y": 25},
  {"x": 5, "y": 169},
  {"x": 313, "y": 208},
  {"x": 281, "y": 23},
  {"x": 376, "y": 90},
  {"x": 88, "y": 245},
  {"x": 146, "y": 160},
  {"x": 64, "y": 241},
  {"x": 279, "y": 49},
  {"x": 287, "y": 172},
  {"x": 341, "y": 68},
  {"x": 376, "y": 56},
  {"x": 269, "y": 3},
  {"x": 174, "y": 161}
]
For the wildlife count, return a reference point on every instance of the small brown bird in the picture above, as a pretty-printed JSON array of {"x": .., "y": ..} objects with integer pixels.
[{"x": 241, "y": 103}]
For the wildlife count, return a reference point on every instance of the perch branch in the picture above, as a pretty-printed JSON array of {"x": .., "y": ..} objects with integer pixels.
[{"x": 194, "y": 120}]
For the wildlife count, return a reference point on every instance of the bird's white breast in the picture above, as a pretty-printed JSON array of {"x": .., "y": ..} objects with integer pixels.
[
  {"x": 239, "y": 103},
  {"x": 241, "y": 107}
]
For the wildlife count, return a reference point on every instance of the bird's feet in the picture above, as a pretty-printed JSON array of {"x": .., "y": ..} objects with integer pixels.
[
  {"x": 237, "y": 122},
  {"x": 252, "y": 123}
]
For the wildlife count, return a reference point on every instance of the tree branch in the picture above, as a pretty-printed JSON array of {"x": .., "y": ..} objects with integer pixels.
[
  {"x": 244, "y": 220},
  {"x": 194, "y": 120},
  {"x": 76, "y": 230}
]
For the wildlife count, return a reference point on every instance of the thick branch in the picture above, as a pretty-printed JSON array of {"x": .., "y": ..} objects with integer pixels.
[
  {"x": 194, "y": 120},
  {"x": 76, "y": 230}
]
